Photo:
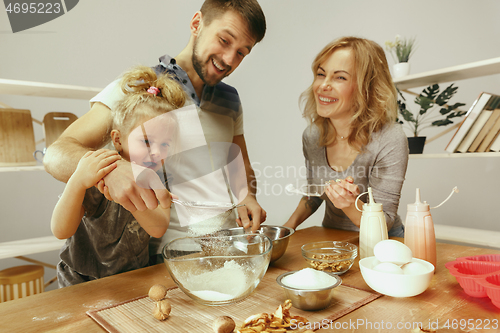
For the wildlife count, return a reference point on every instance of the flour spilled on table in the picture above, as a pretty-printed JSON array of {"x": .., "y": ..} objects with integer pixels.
[
  {"x": 100, "y": 304},
  {"x": 222, "y": 284}
]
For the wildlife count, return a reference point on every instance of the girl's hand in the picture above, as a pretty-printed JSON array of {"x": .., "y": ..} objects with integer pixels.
[
  {"x": 94, "y": 165},
  {"x": 342, "y": 193}
]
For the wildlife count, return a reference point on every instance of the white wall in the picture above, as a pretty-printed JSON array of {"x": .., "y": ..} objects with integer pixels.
[{"x": 97, "y": 40}]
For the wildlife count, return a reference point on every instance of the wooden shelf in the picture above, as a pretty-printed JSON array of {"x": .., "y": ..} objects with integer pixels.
[
  {"x": 454, "y": 155},
  {"x": 449, "y": 74},
  {"x": 22, "y": 168},
  {"x": 28, "y": 88}
]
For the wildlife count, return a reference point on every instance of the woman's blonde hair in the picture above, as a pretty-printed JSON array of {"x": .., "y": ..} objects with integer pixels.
[
  {"x": 135, "y": 84},
  {"x": 374, "y": 99}
]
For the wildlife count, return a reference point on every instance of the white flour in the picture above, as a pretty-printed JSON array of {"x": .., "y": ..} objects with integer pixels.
[
  {"x": 221, "y": 284},
  {"x": 309, "y": 278},
  {"x": 209, "y": 295}
]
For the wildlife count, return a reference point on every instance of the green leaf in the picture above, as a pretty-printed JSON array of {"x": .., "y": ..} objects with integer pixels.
[
  {"x": 446, "y": 95},
  {"x": 425, "y": 103},
  {"x": 456, "y": 114},
  {"x": 444, "y": 111},
  {"x": 456, "y": 106},
  {"x": 407, "y": 115},
  {"x": 431, "y": 91},
  {"x": 443, "y": 122}
]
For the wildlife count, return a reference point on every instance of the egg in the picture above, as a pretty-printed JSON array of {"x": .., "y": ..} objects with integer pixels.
[
  {"x": 414, "y": 268},
  {"x": 392, "y": 251},
  {"x": 387, "y": 267},
  {"x": 375, "y": 262}
]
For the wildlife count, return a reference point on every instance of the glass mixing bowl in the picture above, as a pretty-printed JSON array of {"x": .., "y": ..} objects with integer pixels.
[{"x": 218, "y": 270}]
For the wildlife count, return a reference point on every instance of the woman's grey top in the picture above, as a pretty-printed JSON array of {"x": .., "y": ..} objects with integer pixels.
[{"x": 381, "y": 165}]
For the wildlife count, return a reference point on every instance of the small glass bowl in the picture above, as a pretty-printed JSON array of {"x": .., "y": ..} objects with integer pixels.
[{"x": 330, "y": 256}]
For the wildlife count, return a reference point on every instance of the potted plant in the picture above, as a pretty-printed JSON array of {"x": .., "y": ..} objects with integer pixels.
[
  {"x": 401, "y": 50},
  {"x": 429, "y": 100}
]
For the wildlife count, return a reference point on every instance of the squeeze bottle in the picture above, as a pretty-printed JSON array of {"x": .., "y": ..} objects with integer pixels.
[
  {"x": 419, "y": 231},
  {"x": 373, "y": 227}
]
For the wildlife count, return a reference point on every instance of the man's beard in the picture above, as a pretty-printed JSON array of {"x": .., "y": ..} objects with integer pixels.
[{"x": 200, "y": 69}]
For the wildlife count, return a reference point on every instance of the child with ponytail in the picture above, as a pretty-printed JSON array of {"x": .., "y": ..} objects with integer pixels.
[{"x": 103, "y": 238}]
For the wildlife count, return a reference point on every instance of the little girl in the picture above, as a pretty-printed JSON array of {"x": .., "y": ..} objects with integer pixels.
[{"x": 103, "y": 238}]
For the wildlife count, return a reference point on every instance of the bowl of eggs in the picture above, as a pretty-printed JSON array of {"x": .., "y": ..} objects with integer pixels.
[{"x": 394, "y": 272}]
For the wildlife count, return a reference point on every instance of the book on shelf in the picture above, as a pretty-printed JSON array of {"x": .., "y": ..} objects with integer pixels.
[
  {"x": 478, "y": 131},
  {"x": 489, "y": 132},
  {"x": 469, "y": 120},
  {"x": 481, "y": 119},
  {"x": 490, "y": 137},
  {"x": 495, "y": 146}
]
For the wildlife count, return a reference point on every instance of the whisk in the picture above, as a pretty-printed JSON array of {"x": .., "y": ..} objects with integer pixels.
[{"x": 207, "y": 205}]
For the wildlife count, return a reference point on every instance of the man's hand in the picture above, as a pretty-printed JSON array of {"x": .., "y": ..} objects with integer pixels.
[
  {"x": 121, "y": 186},
  {"x": 251, "y": 215}
]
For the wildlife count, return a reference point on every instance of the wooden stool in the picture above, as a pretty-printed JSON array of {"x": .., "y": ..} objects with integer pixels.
[{"x": 20, "y": 281}]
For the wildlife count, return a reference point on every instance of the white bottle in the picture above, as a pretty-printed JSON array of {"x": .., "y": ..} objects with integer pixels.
[{"x": 373, "y": 227}]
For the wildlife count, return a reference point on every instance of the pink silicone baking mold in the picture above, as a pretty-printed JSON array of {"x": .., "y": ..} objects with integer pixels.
[
  {"x": 484, "y": 257},
  {"x": 479, "y": 276},
  {"x": 492, "y": 285},
  {"x": 468, "y": 272}
]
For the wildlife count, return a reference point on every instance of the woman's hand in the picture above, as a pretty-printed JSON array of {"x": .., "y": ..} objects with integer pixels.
[
  {"x": 94, "y": 165},
  {"x": 342, "y": 193}
]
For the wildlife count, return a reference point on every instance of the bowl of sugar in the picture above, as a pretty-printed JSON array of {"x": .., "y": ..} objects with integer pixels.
[
  {"x": 309, "y": 289},
  {"x": 218, "y": 270}
]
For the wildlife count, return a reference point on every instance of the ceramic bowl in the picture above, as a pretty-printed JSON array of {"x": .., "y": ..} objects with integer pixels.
[
  {"x": 309, "y": 299},
  {"x": 331, "y": 256},
  {"x": 218, "y": 270},
  {"x": 396, "y": 285}
]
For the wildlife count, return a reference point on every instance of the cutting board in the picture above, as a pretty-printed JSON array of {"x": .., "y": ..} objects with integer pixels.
[
  {"x": 54, "y": 123},
  {"x": 17, "y": 139}
]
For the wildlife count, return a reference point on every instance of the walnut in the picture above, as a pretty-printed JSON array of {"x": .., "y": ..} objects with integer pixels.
[
  {"x": 157, "y": 292},
  {"x": 162, "y": 309},
  {"x": 224, "y": 324}
]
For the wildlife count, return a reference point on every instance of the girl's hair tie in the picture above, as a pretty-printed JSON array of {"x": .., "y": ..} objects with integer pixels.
[{"x": 153, "y": 90}]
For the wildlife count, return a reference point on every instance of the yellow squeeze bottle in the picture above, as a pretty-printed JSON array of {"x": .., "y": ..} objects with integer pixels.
[{"x": 373, "y": 227}]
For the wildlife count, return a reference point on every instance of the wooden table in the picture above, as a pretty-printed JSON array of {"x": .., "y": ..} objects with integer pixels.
[{"x": 65, "y": 309}]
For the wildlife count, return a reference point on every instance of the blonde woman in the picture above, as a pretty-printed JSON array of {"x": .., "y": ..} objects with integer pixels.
[
  {"x": 103, "y": 238},
  {"x": 352, "y": 141}
]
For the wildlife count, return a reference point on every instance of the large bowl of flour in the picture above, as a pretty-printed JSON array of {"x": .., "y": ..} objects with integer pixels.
[{"x": 218, "y": 270}]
